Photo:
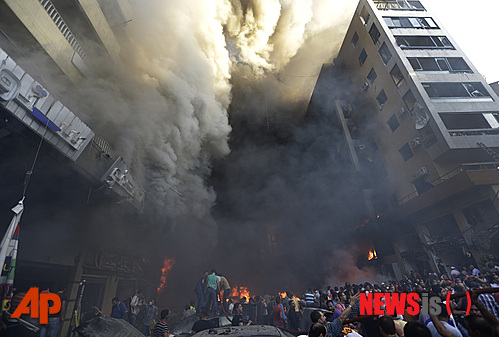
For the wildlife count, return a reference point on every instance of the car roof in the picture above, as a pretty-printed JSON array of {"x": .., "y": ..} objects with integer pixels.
[
  {"x": 185, "y": 326},
  {"x": 244, "y": 331}
]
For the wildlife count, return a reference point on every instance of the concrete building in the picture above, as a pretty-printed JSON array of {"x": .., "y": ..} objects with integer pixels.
[
  {"x": 421, "y": 127},
  {"x": 44, "y": 45}
]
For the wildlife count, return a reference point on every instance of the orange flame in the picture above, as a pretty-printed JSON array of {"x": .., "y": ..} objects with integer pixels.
[
  {"x": 167, "y": 266},
  {"x": 372, "y": 255},
  {"x": 240, "y": 292}
]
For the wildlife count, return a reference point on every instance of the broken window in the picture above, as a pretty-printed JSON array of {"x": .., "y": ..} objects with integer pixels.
[
  {"x": 397, "y": 76},
  {"x": 364, "y": 16},
  {"x": 375, "y": 34},
  {"x": 393, "y": 123},
  {"x": 423, "y": 42},
  {"x": 372, "y": 76},
  {"x": 355, "y": 39},
  {"x": 406, "y": 152},
  {"x": 409, "y": 100},
  {"x": 410, "y": 22},
  {"x": 462, "y": 121},
  {"x": 381, "y": 99},
  {"x": 362, "y": 57},
  {"x": 455, "y": 89},
  {"x": 385, "y": 54},
  {"x": 451, "y": 64}
]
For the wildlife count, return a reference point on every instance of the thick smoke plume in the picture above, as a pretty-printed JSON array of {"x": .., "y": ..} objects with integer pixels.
[
  {"x": 207, "y": 107},
  {"x": 185, "y": 64}
]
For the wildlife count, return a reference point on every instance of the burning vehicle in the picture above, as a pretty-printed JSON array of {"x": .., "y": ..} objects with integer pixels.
[
  {"x": 245, "y": 331},
  {"x": 101, "y": 326},
  {"x": 184, "y": 327}
]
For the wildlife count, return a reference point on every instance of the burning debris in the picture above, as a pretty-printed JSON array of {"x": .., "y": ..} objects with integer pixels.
[
  {"x": 240, "y": 292},
  {"x": 167, "y": 266},
  {"x": 372, "y": 255}
]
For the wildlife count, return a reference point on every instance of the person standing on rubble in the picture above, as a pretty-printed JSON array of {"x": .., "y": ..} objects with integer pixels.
[
  {"x": 225, "y": 286},
  {"x": 200, "y": 291},
  {"x": 211, "y": 291}
]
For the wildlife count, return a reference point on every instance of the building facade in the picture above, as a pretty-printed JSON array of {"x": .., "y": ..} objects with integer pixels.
[
  {"x": 421, "y": 126},
  {"x": 80, "y": 189}
]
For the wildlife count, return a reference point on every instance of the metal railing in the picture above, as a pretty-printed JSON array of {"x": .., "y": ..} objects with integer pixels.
[
  {"x": 451, "y": 174},
  {"x": 63, "y": 28},
  {"x": 479, "y": 132},
  {"x": 102, "y": 145}
]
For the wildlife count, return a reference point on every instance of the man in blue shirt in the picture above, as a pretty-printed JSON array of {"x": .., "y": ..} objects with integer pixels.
[{"x": 119, "y": 309}]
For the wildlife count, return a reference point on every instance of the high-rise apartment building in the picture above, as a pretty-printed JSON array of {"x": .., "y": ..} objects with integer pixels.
[{"x": 421, "y": 127}]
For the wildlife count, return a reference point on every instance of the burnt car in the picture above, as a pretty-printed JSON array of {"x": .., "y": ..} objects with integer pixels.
[
  {"x": 245, "y": 331},
  {"x": 184, "y": 327},
  {"x": 101, "y": 326}
]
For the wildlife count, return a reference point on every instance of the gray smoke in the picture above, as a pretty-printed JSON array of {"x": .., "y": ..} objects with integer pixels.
[{"x": 225, "y": 84}]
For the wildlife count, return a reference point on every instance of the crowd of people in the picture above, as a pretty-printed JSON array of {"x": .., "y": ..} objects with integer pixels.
[
  {"x": 143, "y": 315},
  {"x": 331, "y": 309},
  {"x": 329, "y": 312}
]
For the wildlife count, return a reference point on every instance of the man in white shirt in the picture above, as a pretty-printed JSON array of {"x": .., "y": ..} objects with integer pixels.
[{"x": 134, "y": 306}]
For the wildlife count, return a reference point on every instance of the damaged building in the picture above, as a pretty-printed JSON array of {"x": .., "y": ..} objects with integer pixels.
[
  {"x": 420, "y": 125},
  {"x": 78, "y": 184}
]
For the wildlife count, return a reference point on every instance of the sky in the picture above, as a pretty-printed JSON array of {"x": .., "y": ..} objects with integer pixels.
[{"x": 473, "y": 25}]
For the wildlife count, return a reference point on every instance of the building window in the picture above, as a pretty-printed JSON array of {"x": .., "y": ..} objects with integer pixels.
[
  {"x": 405, "y": 5},
  {"x": 406, "y": 152},
  {"x": 464, "y": 121},
  {"x": 364, "y": 16},
  {"x": 423, "y": 42},
  {"x": 450, "y": 64},
  {"x": 393, "y": 123},
  {"x": 375, "y": 34},
  {"x": 458, "y": 64},
  {"x": 362, "y": 57},
  {"x": 410, "y": 100},
  {"x": 385, "y": 54},
  {"x": 408, "y": 22},
  {"x": 455, "y": 89},
  {"x": 372, "y": 76},
  {"x": 355, "y": 39},
  {"x": 381, "y": 99},
  {"x": 397, "y": 77}
]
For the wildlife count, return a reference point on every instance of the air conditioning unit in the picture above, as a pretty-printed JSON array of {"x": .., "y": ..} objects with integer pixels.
[
  {"x": 365, "y": 86},
  {"x": 415, "y": 142},
  {"x": 421, "y": 172},
  {"x": 401, "y": 112}
]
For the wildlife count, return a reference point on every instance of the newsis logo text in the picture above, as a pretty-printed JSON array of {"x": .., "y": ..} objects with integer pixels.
[{"x": 396, "y": 304}]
